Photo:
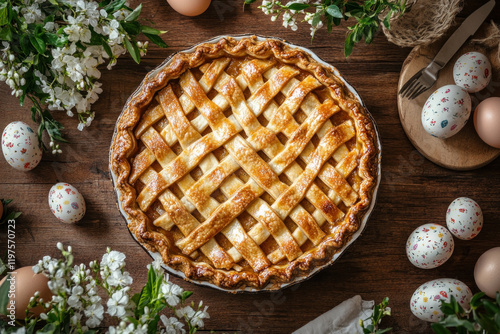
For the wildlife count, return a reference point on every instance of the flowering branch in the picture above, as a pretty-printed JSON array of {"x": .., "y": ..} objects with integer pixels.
[
  {"x": 51, "y": 51},
  {"x": 320, "y": 13},
  {"x": 77, "y": 305}
]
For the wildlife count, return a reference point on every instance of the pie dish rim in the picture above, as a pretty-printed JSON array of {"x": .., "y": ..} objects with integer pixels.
[{"x": 352, "y": 237}]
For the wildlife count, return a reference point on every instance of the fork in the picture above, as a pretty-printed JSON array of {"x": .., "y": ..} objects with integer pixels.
[
  {"x": 426, "y": 77},
  {"x": 420, "y": 81}
]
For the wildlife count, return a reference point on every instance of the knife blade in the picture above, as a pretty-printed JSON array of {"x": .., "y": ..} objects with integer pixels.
[{"x": 466, "y": 29}]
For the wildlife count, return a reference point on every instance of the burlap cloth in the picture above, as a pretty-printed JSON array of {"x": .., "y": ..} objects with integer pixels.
[{"x": 424, "y": 22}]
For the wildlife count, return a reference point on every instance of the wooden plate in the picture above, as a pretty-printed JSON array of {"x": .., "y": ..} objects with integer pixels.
[{"x": 465, "y": 150}]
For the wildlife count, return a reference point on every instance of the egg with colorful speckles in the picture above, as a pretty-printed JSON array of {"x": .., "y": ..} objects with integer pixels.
[
  {"x": 425, "y": 303},
  {"x": 20, "y": 146},
  {"x": 429, "y": 246},
  {"x": 66, "y": 203},
  {"x": 472, "y": 71},
  {"x": 464, "y": 218},
  {"x": 446, "y": 111}
]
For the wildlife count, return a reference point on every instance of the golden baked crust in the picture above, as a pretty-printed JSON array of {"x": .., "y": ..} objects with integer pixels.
[{"x": 244, "y": 163}]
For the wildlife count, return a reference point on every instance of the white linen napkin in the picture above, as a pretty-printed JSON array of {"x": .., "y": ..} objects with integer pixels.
[{"x": 342, "y": 319}]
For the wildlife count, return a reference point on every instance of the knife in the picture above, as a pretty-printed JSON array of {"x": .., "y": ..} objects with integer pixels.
[
  {"x": 466, "y": 29},
  {"x": 427, "y": 76}
]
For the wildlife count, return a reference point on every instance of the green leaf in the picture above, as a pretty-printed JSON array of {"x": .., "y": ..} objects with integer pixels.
[
  {"x": 134, "y": 15},
  {"x": 298, "y": 6},
  {"x": 132, "y": 28},
  {"x": 4, "y": 295},
  {"x": 186, "y": 294},
  {"x": 49, "y": 328},
  {"x": 382, "y": 331},
  {"x": 6, "y": 33},
  {"x": 439, "y": 329},
  {"x": 248, "y": 2},
  {"x": 153, "y": 325},
  {"x": 151, "y": 31},
  {"x": 334, "y": 11},
  {"x": 104, "y": 3},
  {"x": 348, "y": 45},
  {"x": 37, "y": 43},
  {"x": 115, "y": 5},
  {"x": 4, "y": 13},
  {"x": 475, "y": 302},
  {"x": 387, "y": 20},
  {"x": 490, "y": 307},
  {"x": 156, "y": 40},
  {"x": 133, "y": 50},
  {"x": 317, "y": 18},
  {"x": 146, "y": 293}
]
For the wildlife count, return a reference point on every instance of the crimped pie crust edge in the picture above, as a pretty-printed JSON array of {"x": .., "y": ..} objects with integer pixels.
[{"x": 124, "y": 145}]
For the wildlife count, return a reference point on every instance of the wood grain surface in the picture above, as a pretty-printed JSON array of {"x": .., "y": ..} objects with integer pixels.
[
  {"x": 414, "y": 190},
  {"x": 465, "y": 150}
]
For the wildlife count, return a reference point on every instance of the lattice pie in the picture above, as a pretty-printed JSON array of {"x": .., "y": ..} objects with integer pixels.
[{"x": 244, "y": 163}]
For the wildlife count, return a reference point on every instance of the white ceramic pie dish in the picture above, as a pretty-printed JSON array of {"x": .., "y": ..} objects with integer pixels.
[{"x": 364, "y": 221}]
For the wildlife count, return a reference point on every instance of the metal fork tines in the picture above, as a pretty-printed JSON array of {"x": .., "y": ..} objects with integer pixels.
[{"x": 420, "y": 81}]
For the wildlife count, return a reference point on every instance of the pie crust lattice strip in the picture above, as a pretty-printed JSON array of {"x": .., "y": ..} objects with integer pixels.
[{"x": 244, "y": 163}]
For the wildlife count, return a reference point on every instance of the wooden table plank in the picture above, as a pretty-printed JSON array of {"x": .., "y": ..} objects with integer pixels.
[{"x": 414, "y": 191}]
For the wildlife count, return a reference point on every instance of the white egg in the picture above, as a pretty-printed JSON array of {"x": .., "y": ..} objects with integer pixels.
[
  {"x": 446, "y": 111},
  {"x": 425, "y": 303},
  {"x": 66, "y": 203},
  {"x": 21, "y": 147},
  {"x": 472, "y": 71},
  {"x": 429, "y": 246},
  {"x": 464, "y": 218}
]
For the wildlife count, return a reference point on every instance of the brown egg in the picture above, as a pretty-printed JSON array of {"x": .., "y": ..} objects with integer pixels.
[
  {"x": 487, "y": 272},
  {"x": 23, "y": 285},
  {"x": 487, "y": 121},
  {"x": 189, "y": 7}
]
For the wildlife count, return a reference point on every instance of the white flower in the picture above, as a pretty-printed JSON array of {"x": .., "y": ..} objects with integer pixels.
[
  {"x": 196, "y": 317},
  {"x": 117, "y": 303},
  {"x": 117, "y": 278},
  {"x": 172, "y": 293},
  {"x": 114, "y": 260},
  {"x": 74, "y": 302},
  {"x": 156, "y": 264},
  {"x": 172, "y": 325},
  {"x": 94, "y": 314}
]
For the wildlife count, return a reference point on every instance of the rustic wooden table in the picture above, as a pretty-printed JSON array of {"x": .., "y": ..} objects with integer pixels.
[{"x": 414, "y": 191}]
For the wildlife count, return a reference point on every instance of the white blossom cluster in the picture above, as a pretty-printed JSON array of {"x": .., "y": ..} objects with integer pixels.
[
  {"x": 290, "y": 16},
  {"x": 76, "y": 288},
  {"x": 71, "y": 82}
]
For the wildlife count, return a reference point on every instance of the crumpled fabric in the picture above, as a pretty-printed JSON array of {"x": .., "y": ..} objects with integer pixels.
[{"x": 342, "y": 319}]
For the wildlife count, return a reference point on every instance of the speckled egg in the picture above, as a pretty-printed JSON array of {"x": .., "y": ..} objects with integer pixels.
[
  {"x": 472, "y": 71},
  {"x": 429, "y": 246},
  {"x": 426, "y": 300},
  {"x": 464, "y": 218},
  {"x": 66, "y": 203},
  {"x": 446, "y": 111},
  {"x": 20, "y": 146}
]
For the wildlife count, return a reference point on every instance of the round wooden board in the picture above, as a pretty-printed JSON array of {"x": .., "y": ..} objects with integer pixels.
[{"x": 465, "y": 150}]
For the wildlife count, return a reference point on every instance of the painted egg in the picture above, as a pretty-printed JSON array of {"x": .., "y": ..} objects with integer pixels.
[
  {"x": 425, "y": 303},
  {"x": 472, "y": 71},
  {"x": 464, "y": 218},
  {"x": 66, "y": 203},
  {"x": 429, "y": 246},
  {"x": 446, "y": 111},
  {"x": 21, "y": 147}
]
